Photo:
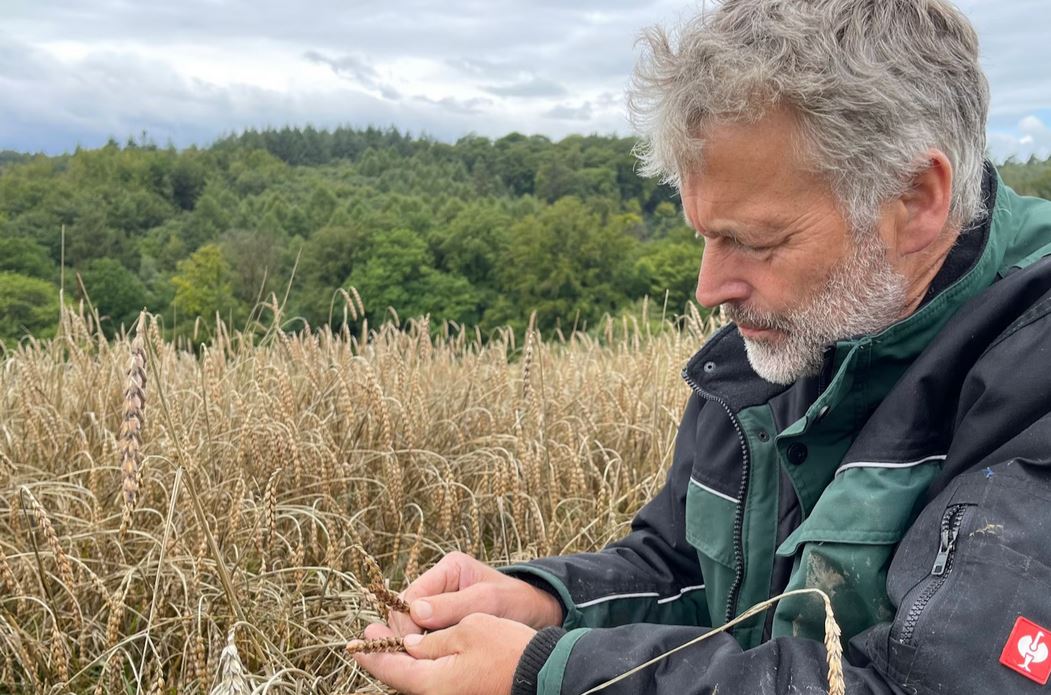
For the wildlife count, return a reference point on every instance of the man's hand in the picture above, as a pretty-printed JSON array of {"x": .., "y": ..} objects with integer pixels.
[
  {"x": 459, "y": 585},
  {"x": 476, "y": 657}
]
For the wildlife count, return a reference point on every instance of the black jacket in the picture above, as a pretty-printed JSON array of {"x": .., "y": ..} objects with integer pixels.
[{"x": 963, "y": 431}]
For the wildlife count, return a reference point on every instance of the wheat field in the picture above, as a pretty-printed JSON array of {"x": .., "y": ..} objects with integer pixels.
[{"x": 202, "y": 521}]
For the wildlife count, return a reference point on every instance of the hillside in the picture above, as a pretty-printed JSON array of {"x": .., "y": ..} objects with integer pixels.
[{"x": 478, "y": 232}]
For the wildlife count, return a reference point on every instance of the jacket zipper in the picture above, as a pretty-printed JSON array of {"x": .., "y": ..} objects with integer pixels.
[
  {"x": 952, "y": 519},
  {"x": 738, "y": 528}
]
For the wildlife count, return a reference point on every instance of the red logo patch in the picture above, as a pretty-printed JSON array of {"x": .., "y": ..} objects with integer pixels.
[{"x": 1028, "y": 651}]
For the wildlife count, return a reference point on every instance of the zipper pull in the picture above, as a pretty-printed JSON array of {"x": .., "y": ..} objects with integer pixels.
[{"x": 948, "y": 542}]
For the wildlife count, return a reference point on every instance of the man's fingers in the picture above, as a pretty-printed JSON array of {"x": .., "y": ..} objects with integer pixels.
[
  {"x": 444, "y": 610},
  {"x": 398, "y": 670},
  {"x": 378, "y": 631},
  {"x": 434, "y": 645},
  {"x": 402, "y": 624},
  {"x": 442, "y": 578}
]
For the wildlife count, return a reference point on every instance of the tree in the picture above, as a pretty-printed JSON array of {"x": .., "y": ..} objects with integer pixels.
[
  {"x": 669, "y": 266},
  {"x": 116, "y": 293},
  {"x": 202, "y": 285},
  {"x": 188, "y": 179},
  {"x": 398, "y": 273},
  {"x": 28, "y": 306},
  {"x": 473, "y": 243},
  {"x": 25, "y": 257},
  {"x": 567, "y": 265},
  {"x": 256, "y": 259}
]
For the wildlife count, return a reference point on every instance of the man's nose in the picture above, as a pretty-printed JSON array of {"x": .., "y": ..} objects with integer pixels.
[{"x": 719, "y": 280}]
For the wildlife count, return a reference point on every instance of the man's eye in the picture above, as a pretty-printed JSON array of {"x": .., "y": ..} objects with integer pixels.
[{"x": 746, "y": 247}]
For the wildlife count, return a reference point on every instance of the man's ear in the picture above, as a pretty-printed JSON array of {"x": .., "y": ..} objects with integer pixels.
[{"x": 925, "y": 206}]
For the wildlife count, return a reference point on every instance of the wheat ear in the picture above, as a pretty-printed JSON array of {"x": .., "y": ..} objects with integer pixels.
[
  {"x": 232, "y": 680},
  {"x": 65, "y": 567},
  {"x": 371, "y": 646},
  {"x": 131, "y": 427},
  {"x": 377, "y": 589}
]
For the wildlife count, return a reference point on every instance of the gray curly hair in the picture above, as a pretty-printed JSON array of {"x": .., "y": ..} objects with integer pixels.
[{"x": 873, "y": 84}]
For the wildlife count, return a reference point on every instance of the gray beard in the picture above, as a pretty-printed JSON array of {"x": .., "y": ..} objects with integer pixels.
[{"x": 863, "y": 295}]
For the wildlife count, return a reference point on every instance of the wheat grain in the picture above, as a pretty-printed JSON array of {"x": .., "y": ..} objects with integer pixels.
[
  {"x": 200, "y": 662},
  {"x": 157, "y": 688},
  {"x": 299, "y": 575},
  {"x": 270, "y": 517}
]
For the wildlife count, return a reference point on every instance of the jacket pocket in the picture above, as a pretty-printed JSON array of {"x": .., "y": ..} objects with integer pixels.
[
  {"x": 845, "y": 546},
  {"x": 912, "y": 610},
  {"x": 709, "y": 523},
  {"x": 968, "y": 568}
]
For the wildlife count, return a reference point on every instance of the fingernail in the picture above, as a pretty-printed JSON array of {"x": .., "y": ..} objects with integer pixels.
[
  {"x": 422, "y": 609},
  {"x": 413, "y": 640}
]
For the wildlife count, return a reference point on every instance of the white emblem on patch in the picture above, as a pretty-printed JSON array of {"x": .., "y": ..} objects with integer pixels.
[{"x": 1033, "y": 651}]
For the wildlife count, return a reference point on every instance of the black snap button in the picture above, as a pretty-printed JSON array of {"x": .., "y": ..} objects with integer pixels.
[
  {"x": 709, "y": 367},
  {"x": 797, "y": 453},
  {"x": 822, "y": 413},
  {"x": 763, "y": 436}
]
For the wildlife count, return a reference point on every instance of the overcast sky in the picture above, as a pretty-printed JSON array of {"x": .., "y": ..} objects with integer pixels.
[{"x": 188, "y": 71}]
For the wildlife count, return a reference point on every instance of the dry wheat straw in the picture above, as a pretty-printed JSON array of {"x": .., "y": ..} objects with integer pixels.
[{"x": 507, "y": 464}]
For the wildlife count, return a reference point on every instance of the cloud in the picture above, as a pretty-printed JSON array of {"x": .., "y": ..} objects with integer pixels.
[
  {"x": 355, "y": 69},
  {"x": 566, "y": 112},
  {"x": 483, "y": 68},
  {"x": 533, "y": 87},
  {"x": 73, "y": 73},
  {"x": 461, "y": 106},
  {"x": 1031, "y": 137}
]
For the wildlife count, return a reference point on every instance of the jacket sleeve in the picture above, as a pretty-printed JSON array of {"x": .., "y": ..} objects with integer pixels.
[{"x": 651, "y": 575}]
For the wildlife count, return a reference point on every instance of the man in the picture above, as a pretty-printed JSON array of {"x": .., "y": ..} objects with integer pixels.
[{"x": 876, "y": 423}]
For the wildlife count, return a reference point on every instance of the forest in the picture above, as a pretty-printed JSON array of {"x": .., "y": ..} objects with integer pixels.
[{"x": 479, "y": 232}]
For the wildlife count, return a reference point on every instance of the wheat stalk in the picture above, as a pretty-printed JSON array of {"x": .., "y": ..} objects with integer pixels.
[{"x": 833, "y": 647}]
